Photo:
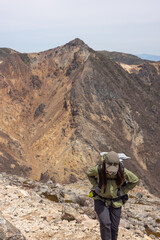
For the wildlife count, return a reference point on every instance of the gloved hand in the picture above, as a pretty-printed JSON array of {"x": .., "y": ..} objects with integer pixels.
[{"x": 97, "y": 190}]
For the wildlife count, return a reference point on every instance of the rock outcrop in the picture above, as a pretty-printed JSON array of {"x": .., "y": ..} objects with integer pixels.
[{"x": 60, "y": 108}]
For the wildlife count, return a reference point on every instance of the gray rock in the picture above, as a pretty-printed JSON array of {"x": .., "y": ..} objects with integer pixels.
[
  {"x": 8, "y": 231},
  {"x": 4, "y": 174},
  {"x": 69, "y": 214},
  {"x": 125, "y": 224},
  {"x": 139, "y": 195},
  {"x": 49, "y": 182}
]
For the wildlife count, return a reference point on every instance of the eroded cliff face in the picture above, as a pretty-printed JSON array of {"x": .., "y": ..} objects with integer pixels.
[
  {"x": 120, "y": 111},
  {"x": 61, "y": 107}
]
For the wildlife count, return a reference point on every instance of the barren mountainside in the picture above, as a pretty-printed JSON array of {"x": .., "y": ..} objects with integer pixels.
[{"x": 61, "y": 107}]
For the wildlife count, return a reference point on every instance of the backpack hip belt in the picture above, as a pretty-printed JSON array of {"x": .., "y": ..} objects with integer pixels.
[{"x": 110, "y": 199}]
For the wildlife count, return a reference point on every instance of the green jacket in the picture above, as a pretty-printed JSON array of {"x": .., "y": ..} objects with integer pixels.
[{"x": 112, "y": 189}]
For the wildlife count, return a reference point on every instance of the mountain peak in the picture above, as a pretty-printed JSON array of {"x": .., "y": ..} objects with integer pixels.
[{"x": 76, "y": 42}]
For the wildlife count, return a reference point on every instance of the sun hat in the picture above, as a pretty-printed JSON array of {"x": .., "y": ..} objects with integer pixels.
[{"x": 112, "y": 157}]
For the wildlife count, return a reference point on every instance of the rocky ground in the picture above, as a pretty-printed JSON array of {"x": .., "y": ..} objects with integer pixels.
[{"x": 33, "y": 210}]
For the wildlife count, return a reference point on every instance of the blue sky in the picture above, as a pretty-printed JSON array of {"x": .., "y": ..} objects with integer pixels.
[{"x": 113, "y": 25}]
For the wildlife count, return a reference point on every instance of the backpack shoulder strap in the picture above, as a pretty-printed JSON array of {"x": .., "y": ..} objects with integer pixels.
[
  {"x": 100, "y": 177},
  {"x": 122, "y": 166}
]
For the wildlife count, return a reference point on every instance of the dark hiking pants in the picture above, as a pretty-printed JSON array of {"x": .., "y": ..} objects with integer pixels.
[{"x": 109, "y": 218}]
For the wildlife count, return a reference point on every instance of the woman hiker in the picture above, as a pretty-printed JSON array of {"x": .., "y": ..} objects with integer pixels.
[{"x": 111, "y": 183}]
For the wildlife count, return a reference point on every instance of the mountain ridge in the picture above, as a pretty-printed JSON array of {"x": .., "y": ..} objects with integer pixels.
[{"x": 149, "y": 57}]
